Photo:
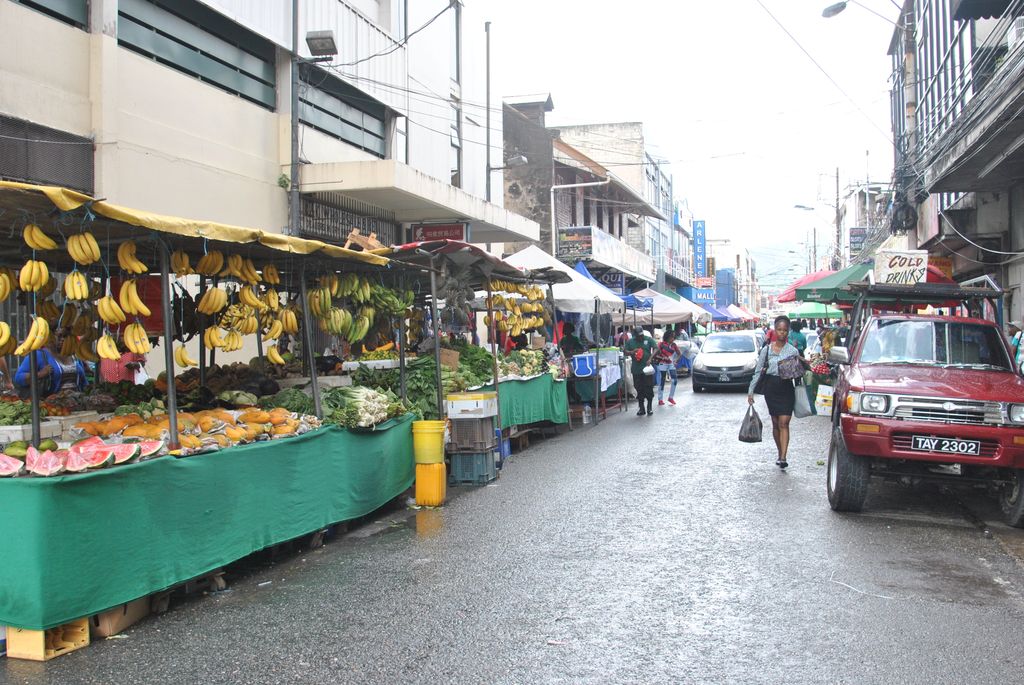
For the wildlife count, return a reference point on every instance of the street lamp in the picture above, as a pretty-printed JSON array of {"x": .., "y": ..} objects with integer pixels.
[
  {"x": 814, "y": 227},
  {"x": 839, "y": 7},
  {"x": 512, "y": 162}
]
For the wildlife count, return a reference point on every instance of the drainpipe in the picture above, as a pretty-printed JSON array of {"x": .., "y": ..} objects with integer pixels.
[{"x": 554, "y": 220}]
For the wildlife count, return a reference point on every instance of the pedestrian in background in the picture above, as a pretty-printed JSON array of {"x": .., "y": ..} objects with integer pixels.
[
  {"x": 796, "y": 337},
  {"x": 1014, "y": 329},
  {"x": 665, "y": 366},
  {"x": 640, "y": 350},
  {"x": 778, "y": 392}
]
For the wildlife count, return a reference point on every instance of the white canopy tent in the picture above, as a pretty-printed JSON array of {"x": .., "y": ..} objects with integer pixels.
[
  {"x": 668, "y": 310},
  {"x": 578, "y": 296}
]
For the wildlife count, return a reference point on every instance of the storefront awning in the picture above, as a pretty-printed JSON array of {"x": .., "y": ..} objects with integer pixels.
[
  {"x": 979, "y": 9},
  {"x": 415, "y": 197}
]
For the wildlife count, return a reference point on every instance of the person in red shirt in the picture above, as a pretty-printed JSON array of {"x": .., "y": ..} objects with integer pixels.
[{"x": 123, "y": 369}]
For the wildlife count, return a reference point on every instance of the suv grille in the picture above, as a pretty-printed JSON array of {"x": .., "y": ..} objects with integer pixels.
[
  {"x": 716, "y": 369},
  {"x": 968, "y": 412}
]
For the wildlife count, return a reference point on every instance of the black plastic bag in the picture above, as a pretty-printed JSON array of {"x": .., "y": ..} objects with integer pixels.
[{"x": 750, "y": 429}]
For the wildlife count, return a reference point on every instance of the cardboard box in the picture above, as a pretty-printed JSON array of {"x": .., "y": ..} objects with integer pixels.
[
  {"x": 43, "y": 645},
  {"x": 113, "y": 621},
  {"x": 450, "y": 359}
]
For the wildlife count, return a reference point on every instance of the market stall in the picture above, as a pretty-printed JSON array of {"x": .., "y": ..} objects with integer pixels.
[
  {"x": 190, "y": 479},
  {"x": 534, "y": 400}
]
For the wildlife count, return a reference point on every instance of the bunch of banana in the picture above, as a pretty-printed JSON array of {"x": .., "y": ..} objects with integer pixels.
[
  {"x": 271, "y": 275},
  {"x": 272, "y": 299},
  {"x": 242, "y": 269},
  {"x": 83, "y": 248},
  {"x": 135, "y": 338},
  {"x": 332, "y": 283},
  {"x": 536, "y": 294},
  {"x": 84, "y": 351},
  {"x": 68, "y": 316},
  {"x": 76, "y": 286},
  {"x": 230, "y": 317},
  {"x": 6, "y": 285},
  {"x": 348, "y": 284},
  {"x": 212, "y": 339},
  {"x": 274, "y": 357},
  {"x": 84, "y": 324},
  {"x": 362, "y": 291},
  {"x": 248, "y": 325},
  {"x": 210, "y": 263},
  {"x": 232, "y": 342},
  {"x": 358, "y": 330},
  {"x": 131, "y": 303},
  {"x": 110, "y": 311},
  {"x": 369, "y": 312},
  {"x": 182, "y": 359},
  {"x": 36, "y": 239},
  {"x": 319, "y": 302},
  {"x": 289, "y": 321},
  {"x": 181, "y": 264},
  {"x": 127, "y": 259},
  {"x": 48, "y": 310},
  {"x": 249, "y": 273},
  {"x": 212, "y": 301},
  {"x": 389, "y": 301},
  {"x": 49, "y": 287},
  {"x": 495, "y": 301},
  {"x": 38, "y": 335},
  {"x": 69, "y": 346},
  {"x": 274, "y": 331},
  {"x": 5, "y": 337},
  {"x": 106, "y": 347},
  {"x": 337, "y": 321},
  {"x": 33, "y": 276},
  {"x": 250, "y": 299}
]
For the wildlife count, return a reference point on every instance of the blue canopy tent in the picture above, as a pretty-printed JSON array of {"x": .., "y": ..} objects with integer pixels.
[
  {"x": 631, "y": 301},
  {"x": 718, "y": 314}
]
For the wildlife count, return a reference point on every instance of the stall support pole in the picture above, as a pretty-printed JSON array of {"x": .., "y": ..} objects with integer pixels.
[
  {"x": 597, "y": 367},
  {"x": 168, "y": 312},
  {"x": 437, "y": 339},
  {"x": 215, "y": 282},
  {"x": 202, "y": 329},
  {"x": 97, "y": 377},
  {"x": 33, "y": 388},
  {"x": 401, "y": 350},
  {"x": 307, "y": 342},
  {"x": 491, "y": 333}
]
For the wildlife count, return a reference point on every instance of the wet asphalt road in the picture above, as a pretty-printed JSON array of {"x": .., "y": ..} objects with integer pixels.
[{"x": 643, "y": 550}]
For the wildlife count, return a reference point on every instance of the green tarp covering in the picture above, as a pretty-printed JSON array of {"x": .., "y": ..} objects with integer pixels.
[
  {"x": 77, "y": 545},
  {"x": 831, "y": 288},
  {"x": 538, "y": 399}
]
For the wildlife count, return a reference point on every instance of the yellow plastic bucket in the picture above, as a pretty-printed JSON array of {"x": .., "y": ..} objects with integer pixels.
[{"x": 428, "y": 441}]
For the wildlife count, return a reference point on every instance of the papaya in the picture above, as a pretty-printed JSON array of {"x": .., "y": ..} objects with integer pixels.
[
  {"x": 234, "y": 433},
  {"x": 210, "y": 423},
  {"x": 254, "y": 416},
  {"x": 222, "y": 440},
  {"x": 89, "y": 427},
  {"x": 283, "y": 430}
]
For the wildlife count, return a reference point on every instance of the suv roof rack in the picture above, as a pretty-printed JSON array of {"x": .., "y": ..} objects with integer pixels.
[{"x": 921, "y": 293}]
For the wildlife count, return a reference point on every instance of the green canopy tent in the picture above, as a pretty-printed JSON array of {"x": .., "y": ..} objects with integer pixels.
[
  {"x": 832, "y": 288},
  {"x": 816, "y": 310}
]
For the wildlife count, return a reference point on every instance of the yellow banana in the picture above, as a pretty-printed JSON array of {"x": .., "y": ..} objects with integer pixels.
[
  {"x": 271, "y": 275},
  {"x": 184, "y": 361},
  {"x": 137, "y": 303},
  {"x": 5, "y": 333},
  {"x": 273, "y": 356},
  {"x": 36, "y": 239}
]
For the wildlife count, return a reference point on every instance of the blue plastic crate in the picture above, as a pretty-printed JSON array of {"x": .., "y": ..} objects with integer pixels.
[{"x": 477, "y": 468}]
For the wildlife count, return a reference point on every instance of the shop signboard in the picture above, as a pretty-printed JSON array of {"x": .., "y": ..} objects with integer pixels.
[
  {"x": 610, "y": 251},
  {"x": 699, "y": 248},
  {"x": 422, "y": 232},
  {"x": 901, "y": 267},
  {"x": 858, "y": 234},
  {"x": 614, "y": 281},
  {"x": 575, "y": 243},
  {"x": 699, "y": 295},
  {"x": 944, "y": 264},
  {"x": 707, "y": 282}
]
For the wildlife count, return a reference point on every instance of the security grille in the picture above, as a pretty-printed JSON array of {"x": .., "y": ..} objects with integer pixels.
[
  {"x": 332, "y": 224},
  {"x": 36, "y": 154}
]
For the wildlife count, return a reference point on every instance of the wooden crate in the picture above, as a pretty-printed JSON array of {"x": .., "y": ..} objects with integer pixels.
[
  {"x": 113, "y": 621},
  {"x": 43, "y": 645}
]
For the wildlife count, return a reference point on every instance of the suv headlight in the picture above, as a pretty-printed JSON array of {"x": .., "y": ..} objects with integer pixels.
[
  {"x": 874, "y": 404},
  {"x": 1016, "y": 413},
  {"x": 698, "y": 364},
  {"x": 751, "y": 365}
]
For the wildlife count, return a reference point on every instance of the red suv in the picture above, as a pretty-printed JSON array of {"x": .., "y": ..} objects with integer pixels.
[{"x": 927, "y": 398}]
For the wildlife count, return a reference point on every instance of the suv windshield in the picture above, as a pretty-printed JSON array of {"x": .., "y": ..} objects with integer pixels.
[
  {"x": 729, "y": 343},
  {"x": 935, "y": 343}
]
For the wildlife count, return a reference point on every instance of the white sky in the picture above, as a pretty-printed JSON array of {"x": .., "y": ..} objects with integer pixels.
[{"x": 747, "y": 120}]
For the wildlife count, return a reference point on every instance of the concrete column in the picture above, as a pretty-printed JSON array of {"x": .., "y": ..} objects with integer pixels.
[{"x": 104, "y": 95}]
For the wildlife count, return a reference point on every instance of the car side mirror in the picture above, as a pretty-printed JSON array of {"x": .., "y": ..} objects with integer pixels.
[{"x": 839, "y": 355}]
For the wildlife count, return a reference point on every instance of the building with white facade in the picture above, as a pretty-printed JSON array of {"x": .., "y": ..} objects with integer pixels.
[
  {"x": 183, "y": 107},
  {"x": 724, "y": 253}
]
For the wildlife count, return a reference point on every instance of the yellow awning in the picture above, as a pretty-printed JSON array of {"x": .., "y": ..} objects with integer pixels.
[{"x": 67, "y": 200}]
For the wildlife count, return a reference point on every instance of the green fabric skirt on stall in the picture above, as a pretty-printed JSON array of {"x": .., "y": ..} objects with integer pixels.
[
  {"x": 538, "y": 399},
  {"x": 77, "y": 545}
]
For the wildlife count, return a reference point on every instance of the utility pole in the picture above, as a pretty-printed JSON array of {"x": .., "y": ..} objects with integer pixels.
[
  {"x": 293, "y": 190},
  {"x": 837, "y": 260},
  {"x": 487, "y": 109}
]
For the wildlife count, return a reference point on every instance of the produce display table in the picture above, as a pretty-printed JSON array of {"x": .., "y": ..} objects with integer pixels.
[
  {"x": 80, "y": 544},
  {"x": 538, "y": 399}
]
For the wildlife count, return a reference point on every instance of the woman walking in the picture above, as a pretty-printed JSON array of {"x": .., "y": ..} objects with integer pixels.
[
  {"x": 777, "y": 384},
  {"x": 665, "y": 366}
]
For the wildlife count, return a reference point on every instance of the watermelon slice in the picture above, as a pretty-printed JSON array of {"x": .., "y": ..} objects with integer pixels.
[
  {"x": 9, "y": 466},
  {"x": 46, "y": 463},
  {"x": 88, "y": 459},
  {"x": 87, "y": 444},
  {"x": 150, "y": 448},
  {"x": 121, "y": 454}
]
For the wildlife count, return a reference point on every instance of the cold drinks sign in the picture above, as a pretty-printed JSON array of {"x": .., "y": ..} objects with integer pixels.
[{"x": 901, "y": 267}]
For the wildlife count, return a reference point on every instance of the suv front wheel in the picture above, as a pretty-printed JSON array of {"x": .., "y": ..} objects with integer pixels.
[
  {"x": 848, "y": 475},
  {"x": 1011, "y": 499}
]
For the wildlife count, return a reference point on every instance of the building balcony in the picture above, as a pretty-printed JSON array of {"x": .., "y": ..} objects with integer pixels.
[{"x": 591, "y": 244}]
